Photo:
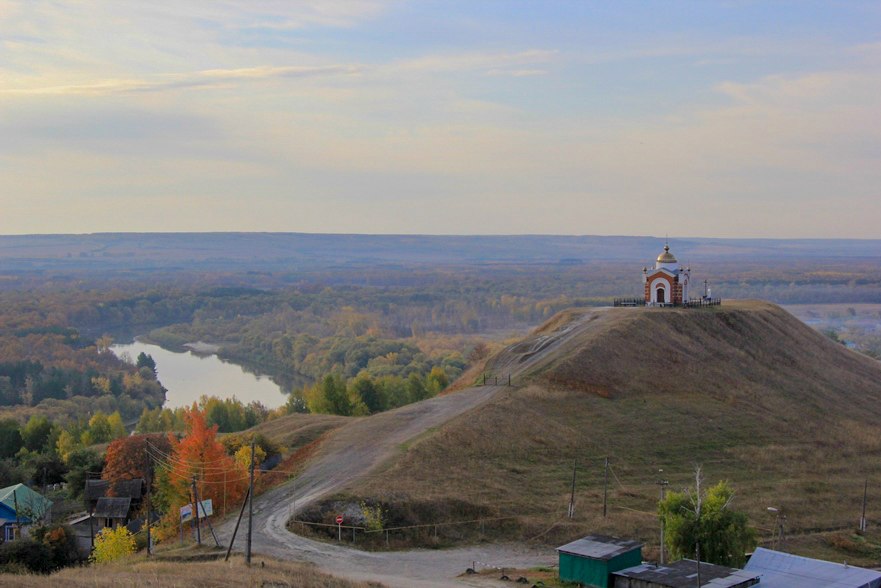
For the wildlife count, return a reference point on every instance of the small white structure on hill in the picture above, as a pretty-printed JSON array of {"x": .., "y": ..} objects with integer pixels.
[{"x": 666, "y": 283}]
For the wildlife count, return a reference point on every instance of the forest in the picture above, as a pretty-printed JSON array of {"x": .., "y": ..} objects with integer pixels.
[
  {"x": 362, "y": 337},
  {"x": 342, "y": 338}
]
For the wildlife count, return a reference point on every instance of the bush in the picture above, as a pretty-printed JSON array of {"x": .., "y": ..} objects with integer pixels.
[
  {"x": 113, "y": 544},
  {"x": 61, "y": 542},
  {"x": 27, "y": 553}
]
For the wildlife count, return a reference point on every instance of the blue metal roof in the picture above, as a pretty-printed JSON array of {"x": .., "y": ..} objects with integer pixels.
[{"x": 784, "y": 570}]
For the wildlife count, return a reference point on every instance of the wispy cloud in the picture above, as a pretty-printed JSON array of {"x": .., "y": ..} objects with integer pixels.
[
  {"x": 517, "y": 73},
  {"x": 494, "y": 64},
  {"x": 201, "y": 79}
]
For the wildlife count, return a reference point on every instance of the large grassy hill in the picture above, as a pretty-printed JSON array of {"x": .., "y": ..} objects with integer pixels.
[{"x": 748, "y": 391}]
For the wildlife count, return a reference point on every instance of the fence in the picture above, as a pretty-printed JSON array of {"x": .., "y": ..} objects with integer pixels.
[
  {"x": 494, "y": 380},
  {"x": 628, "y": 302},
  {"x": 693, "y": 303}
]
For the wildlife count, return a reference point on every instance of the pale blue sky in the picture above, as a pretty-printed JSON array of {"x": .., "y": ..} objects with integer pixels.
[{"x": 728, "y": 119}]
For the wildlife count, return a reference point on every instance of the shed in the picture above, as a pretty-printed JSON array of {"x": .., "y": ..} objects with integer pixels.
[
  {"x": 112, "y": 512},
  {"x": 682, "y": 574},
  {"x": 592, "y": 559},
  {"x": 783, "y": 570},
  {"x": 96, "y": 489}
]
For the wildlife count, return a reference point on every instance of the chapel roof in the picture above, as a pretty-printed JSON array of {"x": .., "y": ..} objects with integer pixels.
[{"x": 666, "y": 256}]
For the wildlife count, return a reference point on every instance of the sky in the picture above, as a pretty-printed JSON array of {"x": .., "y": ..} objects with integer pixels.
[{"x": 715, "y": 119}]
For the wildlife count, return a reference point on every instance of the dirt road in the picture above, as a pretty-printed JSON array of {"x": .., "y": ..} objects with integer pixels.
[{"x": 355, "y": 450}]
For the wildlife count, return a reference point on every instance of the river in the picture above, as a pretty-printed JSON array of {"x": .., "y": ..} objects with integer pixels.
[{"x": 188, "y": 376}]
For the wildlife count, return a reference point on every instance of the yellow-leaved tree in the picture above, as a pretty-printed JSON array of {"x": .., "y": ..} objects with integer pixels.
[{"x": 112, "y": 544}]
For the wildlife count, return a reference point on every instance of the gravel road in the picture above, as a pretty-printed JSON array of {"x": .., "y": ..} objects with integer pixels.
[{"x": 355, "y": 450}]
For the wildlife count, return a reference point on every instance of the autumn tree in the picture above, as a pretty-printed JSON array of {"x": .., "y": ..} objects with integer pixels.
[
  {"x": 200, "y": 456},
  {"x": 130, "y": 458},
  {"x": 112, "y": 545}
]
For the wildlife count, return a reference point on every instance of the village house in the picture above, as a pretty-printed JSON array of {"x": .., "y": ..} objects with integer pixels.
[{"x": 20, "y": 508}]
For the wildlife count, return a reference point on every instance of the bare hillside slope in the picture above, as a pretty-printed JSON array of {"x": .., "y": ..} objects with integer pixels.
[
  {"x": 745, "y": 349},
  {"x": 746, "y": 390}
]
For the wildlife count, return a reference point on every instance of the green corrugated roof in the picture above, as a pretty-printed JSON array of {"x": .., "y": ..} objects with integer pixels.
[{"x": 27, "y": 499}]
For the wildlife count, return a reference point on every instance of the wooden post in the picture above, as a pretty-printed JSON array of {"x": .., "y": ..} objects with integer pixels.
[
  {"x": 236, "y": 529},
  {"x": 572, "y": 495},
  {"x": 149, "y": 508},
  {"x": 605, "y": 486},
  {"x": 250, "y": 506},
  {"x": 863, "y": 516},
  {"x": 17, "y": 517},
  {"x": 196, "y": 513},
  {"x": 663, "y": 484}
]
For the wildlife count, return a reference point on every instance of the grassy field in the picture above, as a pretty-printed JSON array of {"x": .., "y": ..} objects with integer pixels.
[
  {"x": 187, "y": 568},
  {"x": 746, "y": 390}
]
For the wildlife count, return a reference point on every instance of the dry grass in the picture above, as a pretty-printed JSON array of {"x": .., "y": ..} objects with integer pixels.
[
  {"x": 747, "y": 390},
  {"x": 296, "y": 430},
  {"x": 186, "y": 573}
]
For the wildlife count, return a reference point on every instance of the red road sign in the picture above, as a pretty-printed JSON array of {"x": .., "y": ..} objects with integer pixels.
[{"x": 339, "y": 519}]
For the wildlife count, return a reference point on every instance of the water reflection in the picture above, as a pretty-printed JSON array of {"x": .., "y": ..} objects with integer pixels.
[{"x": 187, "y": 376}]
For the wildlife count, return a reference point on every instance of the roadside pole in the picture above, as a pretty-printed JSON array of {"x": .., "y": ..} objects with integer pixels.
[{"x": 250, "y": 506}]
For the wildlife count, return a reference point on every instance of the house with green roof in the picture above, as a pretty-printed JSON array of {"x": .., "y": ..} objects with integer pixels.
[{"x": 20, "y": 507}]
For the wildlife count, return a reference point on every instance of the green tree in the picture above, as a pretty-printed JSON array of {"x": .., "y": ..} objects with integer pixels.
[
  {"x": 364, "y": 388},
  {"x": 146, "y": 361},
  {"x": 10, "y": 438},
  {"x": 82, "y": 464},
  {"x": 436, "y": 380},
  {"x": 329, "y": 396},
  {"x": 695, "y": 518},
  {"x": 416, "y": 388},
  {"x": 35, "y": 433}
]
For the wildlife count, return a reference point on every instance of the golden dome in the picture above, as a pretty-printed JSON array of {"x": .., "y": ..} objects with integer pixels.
[{"x": 666, "y": 256}]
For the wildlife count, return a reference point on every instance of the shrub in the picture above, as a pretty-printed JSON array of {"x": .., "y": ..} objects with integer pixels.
[
  {"x": 27, "y": 553},
  {"x": 112, "y": 544},
  {"x": 61, "y": 542}
]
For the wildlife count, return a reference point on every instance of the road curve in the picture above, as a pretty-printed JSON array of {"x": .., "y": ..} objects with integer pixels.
[
  {"x": 359, "y": 447},
  {"x": 352, "y": 451}
]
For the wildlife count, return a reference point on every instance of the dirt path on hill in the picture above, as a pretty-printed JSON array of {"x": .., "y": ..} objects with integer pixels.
[{"x": 355, "y": 450}]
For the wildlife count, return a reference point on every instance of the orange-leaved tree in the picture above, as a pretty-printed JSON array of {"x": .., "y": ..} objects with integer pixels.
[
  {"x": 201, "y": 457},
  {"x": 134, "y": 457}
]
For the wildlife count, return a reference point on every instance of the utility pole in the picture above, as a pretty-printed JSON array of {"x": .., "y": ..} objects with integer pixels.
[
  {"x": 149, "y": 508},
  {"x": 17, "y": 517},
  {"x": 236, "y": 529},
  {"x": 250, "y": 506},
  {"x": 863, "y": 517},
  {"x": 697, "y": 541},
  {"x": 207, "y": 520},
  {"x": 663, "y": 484},
  {"x": 572, "y": 496},
  {"x": 605, "y": 486},
  {"x": 196, "y": 513},
  {"x": 91, "y": 519}
]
